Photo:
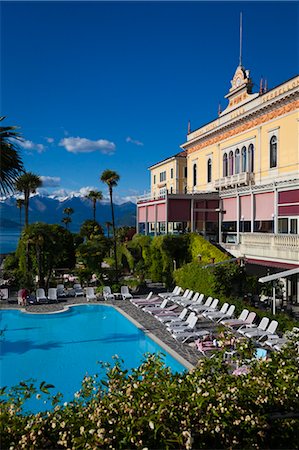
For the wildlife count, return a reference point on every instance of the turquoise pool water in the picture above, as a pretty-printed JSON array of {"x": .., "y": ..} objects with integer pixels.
[{"x": 62, "y": 348}]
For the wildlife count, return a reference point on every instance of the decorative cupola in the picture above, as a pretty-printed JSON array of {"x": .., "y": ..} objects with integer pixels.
[
  {"x": 241, "y": 88},
  {"x": 241, "y": 84}
]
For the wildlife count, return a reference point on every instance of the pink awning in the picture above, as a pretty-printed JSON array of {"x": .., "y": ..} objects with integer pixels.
[
  {"x": 230, "y": 208},
  {"x": 264, "y": 206},
  {"x": 245, "y": 207},
  {"x": 161, "y": 212},
  {"x": 142, "y": 214},
  {"x": 151, "y": 213}
]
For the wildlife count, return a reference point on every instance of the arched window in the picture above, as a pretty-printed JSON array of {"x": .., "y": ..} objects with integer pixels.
[
  {"x": 194, "y": 175},
  {"x": 244, "y": 159},
  {"x": 225, "y": 165},
  {"x": 273, "y": 151},
  {"x": 237, "y": 161},
  {"x": 209, "y": 170},
  {"x": 231, "y": 163},
  {"x": 251, "y": 158}
]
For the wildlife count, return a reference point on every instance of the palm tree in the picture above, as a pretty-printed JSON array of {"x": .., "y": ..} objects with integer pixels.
[
  {"x": 111, "y": 178},
  {"x": 95, "y": 196},
  {"x": 20, "y": 204},
  {"x": 27, "y": 183},
  {"x": 11, "y": 163},
  {"x": 66, "y": 220},
  {"x": 108, "y": 225}
]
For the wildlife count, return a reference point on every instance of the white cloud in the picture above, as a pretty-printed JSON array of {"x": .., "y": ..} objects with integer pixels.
[
  {"x": 29, "y": 145},
  {"x": 133, "y": 141},
  {"x": 49, "y": 140},
  {"x": 50, "y": 181},
  {"x": 83, "y": 145}
]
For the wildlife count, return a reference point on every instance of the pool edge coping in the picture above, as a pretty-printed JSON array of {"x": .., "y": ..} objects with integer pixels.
[{"x": 158, "y": 341}]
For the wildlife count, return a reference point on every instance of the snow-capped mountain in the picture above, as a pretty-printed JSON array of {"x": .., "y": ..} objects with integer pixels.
[{"x": 50, "y": 210}]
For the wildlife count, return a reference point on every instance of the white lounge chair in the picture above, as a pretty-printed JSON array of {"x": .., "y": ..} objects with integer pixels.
[
  {"x": 78, "y": 291},
  {"x": 166, "y": 311},
  {"x": 124, "y": 290},
  {"x": 176, "y": 291},
  {"x": 185, "y": 295},
  {"x": 149, "y": 300},
  {"x": 52, "y": 295},
  {"x": 260, "y": 333},
  {"x": 90, "y": 295},
  {"x": 262, "y": 326},
  {"x": 223, "y": 310},
  {"x": 218, "y": 316},
  {"x": 234, "y": 322},
  {"x": 200, "y": 307},
  {"x": 191, "y": 326},
  {"x": 155, "y": 308},
  {"x": 195, "y": 300},
  {"x": 107, "y": 294},
  {"x": 41, "y": 296},
  {"x": 180, "y": 323},
  {"x": 61, "y": 291},
  {"x": 174, "y": 317},
  {"x": 211, "y": 308}
]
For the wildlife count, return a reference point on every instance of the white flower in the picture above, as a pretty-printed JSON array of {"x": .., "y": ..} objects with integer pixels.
[{"x": 151, "y": 425}]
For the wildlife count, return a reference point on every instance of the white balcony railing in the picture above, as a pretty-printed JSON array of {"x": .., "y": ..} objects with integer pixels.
[
  {"x": 148, "y": 196},
  {"x": 284, "y": 247},
  {"x": 233, "y": 180}
]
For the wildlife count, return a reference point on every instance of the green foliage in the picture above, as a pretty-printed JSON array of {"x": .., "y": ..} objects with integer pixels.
[
  {"x": 207, "y": 251},
  {"x": 193, "y": 276},
  {"x": 92, "y": 252},
  {"x": 41, "y": 248},
  {"x": 149, "y": 407},
  {"x": 90, "y": 229}
]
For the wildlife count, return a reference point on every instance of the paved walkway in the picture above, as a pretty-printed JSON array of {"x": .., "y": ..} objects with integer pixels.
[{"x": 146, "y": 320}]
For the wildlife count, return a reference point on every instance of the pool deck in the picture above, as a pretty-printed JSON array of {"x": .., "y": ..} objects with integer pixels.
[{"x": 184, "y": 353}]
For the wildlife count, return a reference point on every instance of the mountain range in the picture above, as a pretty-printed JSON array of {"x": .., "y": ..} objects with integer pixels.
[{"x": 50, "y": 210}]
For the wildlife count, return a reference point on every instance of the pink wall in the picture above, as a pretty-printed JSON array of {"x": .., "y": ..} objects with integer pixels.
[
  {"x": 161, "y": 212},
  {"x": 264, "y": 206},
  {"x": 142, "y": 214},
  {"x": 230, "y": 208},
  {"x": 151, "y": 213},
  {"x": 245, "y": 207}
]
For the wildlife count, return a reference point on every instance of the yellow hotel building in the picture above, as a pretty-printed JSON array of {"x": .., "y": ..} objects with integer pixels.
[{"x": 236, "y": 181}]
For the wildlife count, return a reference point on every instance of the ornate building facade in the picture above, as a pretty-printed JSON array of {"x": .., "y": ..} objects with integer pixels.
[{"x": 241, "y": 177}]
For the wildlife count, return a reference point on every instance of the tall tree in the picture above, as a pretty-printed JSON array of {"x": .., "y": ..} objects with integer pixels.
[
  {"x": 20, "y": 204},
  {"x": 95, "y": 196},
  {"x": 111, "y": 178},
  {"x": 27, "y": 184},
  {"x": 108, "y": 225},
  {"x": 11, "y": 166},
  {"x": 66, "y": 220}
]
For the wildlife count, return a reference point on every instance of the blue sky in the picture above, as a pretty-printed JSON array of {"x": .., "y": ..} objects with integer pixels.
[{"x": 96, "y": 85}]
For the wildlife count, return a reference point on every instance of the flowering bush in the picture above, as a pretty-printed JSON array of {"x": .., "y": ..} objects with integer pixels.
[{"x": 208, "y": 407}]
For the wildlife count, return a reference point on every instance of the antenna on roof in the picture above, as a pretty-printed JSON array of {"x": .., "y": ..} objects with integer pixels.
[
  {"x": 266, "y": 85},
  {"x": 189, "y": 126},
  {"x": 261, "y": 85},
  {"x": 240, "y": 57},
  {"x": 219, "y": 108}
]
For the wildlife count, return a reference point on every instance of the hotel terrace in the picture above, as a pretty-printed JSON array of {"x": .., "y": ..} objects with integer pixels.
[{"x": 236, "y": 179}]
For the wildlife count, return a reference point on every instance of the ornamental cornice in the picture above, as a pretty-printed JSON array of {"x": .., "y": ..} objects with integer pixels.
[
  {"x": 270, "y": 99},
  {"x": 251, "y": 120},
  {"x": 290, "y": 183}
]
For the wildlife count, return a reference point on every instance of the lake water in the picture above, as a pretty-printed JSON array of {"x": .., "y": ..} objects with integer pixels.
[{"x": 8, "y": 240}]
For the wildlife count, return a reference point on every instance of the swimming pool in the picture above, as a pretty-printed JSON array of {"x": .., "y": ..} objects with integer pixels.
[{"x": 62, "y": 348}]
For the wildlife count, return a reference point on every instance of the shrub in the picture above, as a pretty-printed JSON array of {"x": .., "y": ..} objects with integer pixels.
[{"x": 208, "y": 407}]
